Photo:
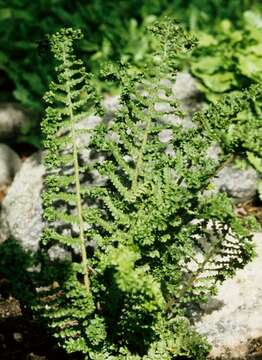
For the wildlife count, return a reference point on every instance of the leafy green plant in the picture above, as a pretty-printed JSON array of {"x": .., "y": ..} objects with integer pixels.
[
  {"x": 229, "y": 59},
  {"x": 226, "y": 62},
  {"x": 111, "y": 32},
  {"x": 160, "y": 243},
  {"x": 23, "y": 25},
  {"x": 235, "y": 123}
]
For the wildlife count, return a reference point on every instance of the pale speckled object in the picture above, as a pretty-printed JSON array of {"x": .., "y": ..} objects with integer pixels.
[
  {"x": 186, "y": 91},
  {"x": 185, "y": 86},
  {"x": 12, "y": 119},
  {"x": 21, "y": 215},
  {"x": 234, "y": 317},
  {"x": 240, "y": 184},
  {"x": 10, "y": 164}
]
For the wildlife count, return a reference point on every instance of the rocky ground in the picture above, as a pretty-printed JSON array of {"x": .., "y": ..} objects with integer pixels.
[
  {"x": 232, "y": 321},
  {"x": 21, "y": 338}
]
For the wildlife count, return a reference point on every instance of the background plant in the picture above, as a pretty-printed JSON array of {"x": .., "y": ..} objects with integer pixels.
[
  {"x": 235, "y": 123},
  {"x": 229, "y": 58},
  {"x": 227, "y": 61},
  {"x": 161, "y": 244},
  {"x": 110, "y": 32}
]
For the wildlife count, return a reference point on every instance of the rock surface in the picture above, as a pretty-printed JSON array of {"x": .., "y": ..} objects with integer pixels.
[
  {"x": 185, "y": 86},
  {"x": 10, "y": 163},
  {"x": 240, "y": 184},
  {"x": 21, "y": 215},
  {"x": 12, "y": 119},
  {"x": 232, "y": 321}
]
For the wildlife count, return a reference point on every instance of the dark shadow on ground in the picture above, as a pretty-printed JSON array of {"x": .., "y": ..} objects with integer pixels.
[{"x": 22, "y": 337}]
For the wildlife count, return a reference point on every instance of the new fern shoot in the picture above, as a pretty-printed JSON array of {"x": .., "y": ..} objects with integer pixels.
[{"x": 161, "y": 244}]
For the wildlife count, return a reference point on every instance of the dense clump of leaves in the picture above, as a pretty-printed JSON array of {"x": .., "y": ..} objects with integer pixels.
[
  {"x": 235, "y": 123},
  {"x": 229, "y": 58},
  {"x": 161, "y": 244},
  {"x": 227, "y": 61},
  {"x": 112, "y": 32}
]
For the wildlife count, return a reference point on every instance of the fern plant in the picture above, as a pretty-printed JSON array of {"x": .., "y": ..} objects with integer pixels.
[
  {"x": 161, "y": 244},
  {"x": 235, "y": 123}
]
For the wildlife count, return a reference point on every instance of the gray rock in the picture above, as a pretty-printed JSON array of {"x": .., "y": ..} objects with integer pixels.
[
  {"x": 57, "y": 252},
  {"x": 12, "y": 119},
  {"x": 185, "y": 86},
  {"x": 111, "y": 103},
  {"x": 10, "y": 163},
  {"x": 240, "y": 184},
  {"x": 232, "y": 321},
  {"x": 185, "y": 89},
  {"x": 21, "y": 216}
]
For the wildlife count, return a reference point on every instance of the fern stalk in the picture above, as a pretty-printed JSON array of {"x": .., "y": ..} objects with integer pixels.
[
  {"x": 139, "y": 162},
  {"x": 77, "y": 181}
]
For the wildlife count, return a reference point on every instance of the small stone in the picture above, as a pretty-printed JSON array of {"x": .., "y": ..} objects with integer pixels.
[
  {"x": 18, "y": 337},
  {"x": 33, "y": 356},
  {"x": 57, "y": 252},
  {"x": 240, "y": 184},
  {"x": 21, "y": 215},
  {"x": 185, "y": 86},
  {"x": 12, "y": 119},
  {"x": 165, "y": 136},
  {"x": 214, "y": 152},
  {"x": 10, "y": 163},
  {"x": 111, "y": 103}
]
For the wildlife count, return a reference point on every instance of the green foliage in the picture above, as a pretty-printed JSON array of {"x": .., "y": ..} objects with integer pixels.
[
  {"x": 23, "y": 25},
  {"x": 235, "y": 122},
  {"x": 111, "y": 33},
  {"x": 161, "y": 243},
  {"x": 228, "y": 61},
  {"x": 229, "y": 58},
  {"x": 70, "y": 100}
]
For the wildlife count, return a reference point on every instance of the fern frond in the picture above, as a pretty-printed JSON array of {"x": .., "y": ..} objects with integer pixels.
[
  {"x": 155, "y": 242},
  {"x": 70, "y": 100}
]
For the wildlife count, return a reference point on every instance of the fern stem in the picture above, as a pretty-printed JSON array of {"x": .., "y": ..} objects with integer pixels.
[
  {"x": 140, "y": 157},
  {"x": 80, "y": 216},
  {"x": 139, "y": 161},
  {"x": 77, "y": 184}
]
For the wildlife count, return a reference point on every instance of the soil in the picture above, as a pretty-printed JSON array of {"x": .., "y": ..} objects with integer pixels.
[
  {"x": 250, "y": 208},
  {"x": 21, "y": 338}
]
